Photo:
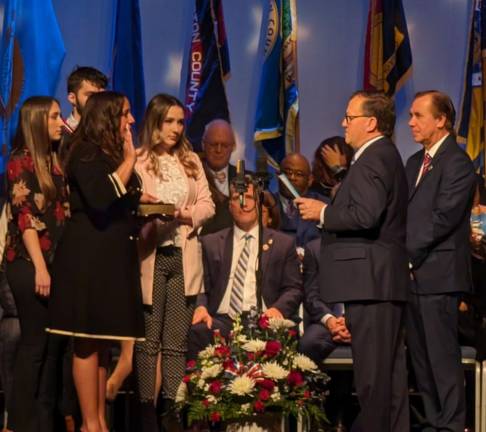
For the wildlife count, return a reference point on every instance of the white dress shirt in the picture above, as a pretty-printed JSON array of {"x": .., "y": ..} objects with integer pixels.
[
  {"x": 431, "y": 151},
  {"x": 223, "y": 187},
  {"x": 249, "y": 290}
]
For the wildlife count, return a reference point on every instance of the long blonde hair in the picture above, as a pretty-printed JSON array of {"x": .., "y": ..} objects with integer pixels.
[
  {"x": 33, "y": 134},
  {"x": 149, "y": 138}
]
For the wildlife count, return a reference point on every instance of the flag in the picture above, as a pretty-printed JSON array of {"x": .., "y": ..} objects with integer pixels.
[
  {"x": 208, "y": 67},
  {"x": 31, "y": 55},
  {"x": 388, "y": 57},
  {"x": 470, "y": 132},
  {"x": 127, "y": 69},
  {"x": 277, "y": 112}
]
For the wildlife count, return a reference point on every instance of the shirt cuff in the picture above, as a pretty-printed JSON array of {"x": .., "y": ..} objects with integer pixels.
[
  {"x": 118, "y": 185},
  {"x": 325, "y": 318},
  {"x": 321, "y": 217}
]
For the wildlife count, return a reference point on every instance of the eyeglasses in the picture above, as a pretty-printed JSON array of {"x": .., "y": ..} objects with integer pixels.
[
  {"x": 294, "y": 173},
  {"x": 350, "y": 118}
]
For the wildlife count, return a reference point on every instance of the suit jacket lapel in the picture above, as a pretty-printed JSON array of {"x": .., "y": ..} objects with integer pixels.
[
  {"x": 226, "y": 249},
  {"x": 266, "y": 253}
]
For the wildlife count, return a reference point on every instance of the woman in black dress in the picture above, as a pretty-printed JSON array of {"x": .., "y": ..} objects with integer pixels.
[
  {"x": 96, "y": 293},
  {"x": 37, "y": 200}
]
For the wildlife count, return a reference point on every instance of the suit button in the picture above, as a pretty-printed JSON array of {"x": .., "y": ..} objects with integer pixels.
[{"x": 131, "y": 238}]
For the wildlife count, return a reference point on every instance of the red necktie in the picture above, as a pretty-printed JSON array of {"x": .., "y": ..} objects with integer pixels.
[{"x": 425, "y": 164}]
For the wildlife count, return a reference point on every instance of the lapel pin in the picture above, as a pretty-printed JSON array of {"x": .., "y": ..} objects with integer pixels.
[
  {"x": 265, "y": 247},
  {"x": 270, "y": 241}
]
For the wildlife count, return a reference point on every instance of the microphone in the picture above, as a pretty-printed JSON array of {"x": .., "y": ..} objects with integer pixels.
[
  {"x": 239, "y": 181},
  {"x": 261, "y": 172}
]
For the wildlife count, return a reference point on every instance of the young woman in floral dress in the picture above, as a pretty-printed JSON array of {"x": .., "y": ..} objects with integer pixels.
[{"x": 38, "y": 204}]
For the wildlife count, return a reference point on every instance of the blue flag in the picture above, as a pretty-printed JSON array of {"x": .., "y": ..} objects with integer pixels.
[
  {"x": 208, "y": 66},
  {"x": 277, "y": 113},
  {"x": 127, "y": 72},
  {"x": 31, "y": 54},
  {"x": 471, "y": 130}
]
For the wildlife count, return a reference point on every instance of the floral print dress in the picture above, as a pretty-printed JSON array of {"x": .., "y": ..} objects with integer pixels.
[{"x": 29, "y": 208}]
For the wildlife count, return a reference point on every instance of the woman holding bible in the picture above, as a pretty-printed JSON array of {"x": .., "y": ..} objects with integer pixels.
[{"x": 171, "y": 263}]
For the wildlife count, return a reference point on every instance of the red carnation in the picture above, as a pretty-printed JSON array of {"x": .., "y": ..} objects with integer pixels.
[
  {"x": 263, "y": 394},
  {"x": 215, "y": 417},
  {"x": 292, "y": 333},
  {"x": 191, "y": 364},
  {"x": 295, "y": 379},
  {"x": 250, "y": 356},
  {"x": 215, "y": 387},
  {"x": 222, "y": 351},
  {"x": 263, "y": 322},
  {"x": 307, "y": 394},
  {"x": 186, "y": 378},
  {"x": 266, "y": 384},
  {"x": 205, "y": 402},
  {"x": 272, "y": 348},
  {"x": 259, "y": 406},
  {"x": 228, "y": 365}
]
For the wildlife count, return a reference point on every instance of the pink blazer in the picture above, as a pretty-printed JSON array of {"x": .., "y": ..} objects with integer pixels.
[{"x": 201, "y": 206}]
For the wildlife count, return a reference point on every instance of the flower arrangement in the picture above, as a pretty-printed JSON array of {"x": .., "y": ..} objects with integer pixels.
[{"x": 256, "y": 370}]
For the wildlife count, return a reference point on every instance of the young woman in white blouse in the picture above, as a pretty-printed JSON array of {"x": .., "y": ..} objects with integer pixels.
[{"x": 171, "y": 263}]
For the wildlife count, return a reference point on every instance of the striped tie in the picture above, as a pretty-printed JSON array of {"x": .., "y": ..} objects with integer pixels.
[{"x": 236, "y": 299}]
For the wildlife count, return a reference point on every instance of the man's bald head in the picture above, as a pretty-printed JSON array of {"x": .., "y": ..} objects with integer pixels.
[
  {"x": 218, "y": 143},
  {"x": 297, "y": 168}
]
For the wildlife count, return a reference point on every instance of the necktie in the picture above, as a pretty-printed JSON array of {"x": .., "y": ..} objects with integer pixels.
[
  {"x": 425, "y": 164},
  {"x": 220, "y": 176},
  {"x": 236, "y": 299}
]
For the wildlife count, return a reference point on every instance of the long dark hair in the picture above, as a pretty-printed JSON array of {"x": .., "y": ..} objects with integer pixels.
[
  {"x": 32, "y": 134},
  {"x": 100, "y": 125}
]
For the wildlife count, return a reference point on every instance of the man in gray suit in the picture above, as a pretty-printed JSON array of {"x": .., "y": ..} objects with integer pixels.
[{"x": 364, "y": 261}]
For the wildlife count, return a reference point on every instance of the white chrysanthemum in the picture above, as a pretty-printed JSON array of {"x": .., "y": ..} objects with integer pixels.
[
  {"x": 246, "y": 408},
  {"x": 275, "y": 396},
  {"x": 280, "y": 323},
  {"x": 211, "y": 398},
  {"x": 181, "y": 393},
  {"x": 211, "y": 371},
  {"x": 254, "y": 345},
  {"x": 241, "y": 339},
  {"x": 304, "y": 363},
  {"x": 207, "y": 352},
  {"x": 242, "y": 385},
  {"x": 273, "y": 370},
  {"x": 201, "y": 383}
]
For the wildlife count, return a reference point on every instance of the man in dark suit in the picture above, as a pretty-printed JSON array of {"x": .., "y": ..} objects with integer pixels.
[
  {"x": 230, "y": 287},
  {"x": 218, "y": 143},
  {"x": 441, "y": 184},
  {"x": 297, "y": 169},
  {"x": 365, "y": 262}
]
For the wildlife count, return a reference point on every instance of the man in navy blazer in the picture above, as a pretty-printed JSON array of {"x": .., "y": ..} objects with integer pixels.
[
  {"x": 441, "y": 186},
  {"x": 281, "y": 285},
  {"x": 364, "y": 261}
]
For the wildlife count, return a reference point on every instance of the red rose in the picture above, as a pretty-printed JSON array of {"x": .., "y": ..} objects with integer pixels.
[
  {"x": 295, "y": 378},
  {"x": 191, "y": 364},
  {"x": 250, "y": 356},
  {"x": 222, "y": 351},
  {"x": 307, "y": 394},
  {"x": 263, "y": 322},
  {"x": 205, "y": 402},
  {"x": 215, "y": 417},
  {"x": 263, "y": 394},
  {"x": 186, "y": 378},
  {"x": 292, "y": 333},
  {"x": 272, "y": 348},
  {"x": 10, "y": 254},
  {"x": 215, "y": 387},
  {"x": 266, "y": 384},
  {"x": 259, "y": 406},
  {"x": 45, "y": 242}
]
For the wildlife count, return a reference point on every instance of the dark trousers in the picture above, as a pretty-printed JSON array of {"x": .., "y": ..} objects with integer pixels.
[
  {"x": 200, "y": 336},
  {"x": 379, "y": 367},
  {"x": 34, "y": 380},
  {"x": 432, "y": 337}
]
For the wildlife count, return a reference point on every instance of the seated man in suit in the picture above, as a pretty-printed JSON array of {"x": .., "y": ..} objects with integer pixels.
[
  {"x": 326, "y": 326},
  {"x": 229, "y": 259},
  {"x": 218, "y": 143},
  {"x": 297, "y": 169}
]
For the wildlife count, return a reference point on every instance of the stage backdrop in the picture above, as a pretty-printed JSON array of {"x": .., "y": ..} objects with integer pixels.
[{"x": 330, "y": 50}]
